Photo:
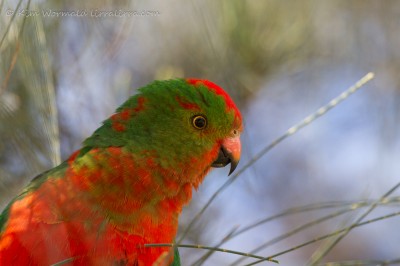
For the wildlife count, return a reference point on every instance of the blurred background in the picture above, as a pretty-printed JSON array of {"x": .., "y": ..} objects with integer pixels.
[{"x": 62, "y": 74}]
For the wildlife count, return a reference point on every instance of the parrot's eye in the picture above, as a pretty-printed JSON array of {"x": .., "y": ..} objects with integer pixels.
[{"x": 199, "y": 121}]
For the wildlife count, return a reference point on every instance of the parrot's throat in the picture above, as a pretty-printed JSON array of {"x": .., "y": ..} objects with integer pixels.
[{"x": 134, "y": 191}]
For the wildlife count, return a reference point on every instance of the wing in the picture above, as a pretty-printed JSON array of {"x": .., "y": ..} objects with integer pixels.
[{"x": 16, "y": 222}]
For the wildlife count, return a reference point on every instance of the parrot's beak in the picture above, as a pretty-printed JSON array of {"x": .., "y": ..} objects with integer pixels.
[{"x": 229, "y": 153}]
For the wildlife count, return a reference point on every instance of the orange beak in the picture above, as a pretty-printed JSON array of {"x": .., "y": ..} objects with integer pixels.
[{"x": 229, "y": 153}]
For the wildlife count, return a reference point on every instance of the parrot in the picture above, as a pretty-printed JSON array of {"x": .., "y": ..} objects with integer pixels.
[{"x": 128, "y": 183}]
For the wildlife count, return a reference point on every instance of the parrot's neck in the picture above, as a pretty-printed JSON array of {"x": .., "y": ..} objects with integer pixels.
[{"x": 133, "y": 192}]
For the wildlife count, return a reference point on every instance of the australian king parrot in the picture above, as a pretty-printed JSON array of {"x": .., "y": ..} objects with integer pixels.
[{"x": 127, "y": 185}]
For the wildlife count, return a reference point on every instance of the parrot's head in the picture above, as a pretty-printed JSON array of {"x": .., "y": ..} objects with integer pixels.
[
  {"x": 185, "y": 126},
  {"x": 225, "y": 123}
]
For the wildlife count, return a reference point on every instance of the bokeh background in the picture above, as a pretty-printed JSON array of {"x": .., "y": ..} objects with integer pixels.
[{"x": 60, "y": 76}]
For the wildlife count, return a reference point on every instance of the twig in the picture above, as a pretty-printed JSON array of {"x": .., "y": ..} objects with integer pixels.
[
  {"x": 322, "y": 254},
  {"x": 211, "y": 248},
  {"x": 327, "y": 236}
]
